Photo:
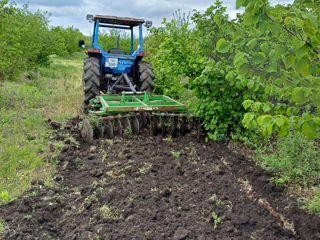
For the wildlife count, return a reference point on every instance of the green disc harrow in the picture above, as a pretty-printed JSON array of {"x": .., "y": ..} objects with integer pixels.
[{"x": 112, "y": 115}]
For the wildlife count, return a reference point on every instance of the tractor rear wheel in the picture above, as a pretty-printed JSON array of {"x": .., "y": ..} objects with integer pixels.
[
  {"x": 90, "y": 80},
  {"x": 146, "y": 76}
]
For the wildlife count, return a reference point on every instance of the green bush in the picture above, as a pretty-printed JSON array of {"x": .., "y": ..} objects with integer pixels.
[
  {"x": 27, "y": 42},
  {"x": 67, "y": 39}
]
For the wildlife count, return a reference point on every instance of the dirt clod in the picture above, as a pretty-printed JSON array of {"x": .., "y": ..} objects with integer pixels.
[{"x": 180, "y": 234}]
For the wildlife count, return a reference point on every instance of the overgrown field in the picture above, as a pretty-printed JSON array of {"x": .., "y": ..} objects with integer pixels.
[{"x": 54, "y": 93}]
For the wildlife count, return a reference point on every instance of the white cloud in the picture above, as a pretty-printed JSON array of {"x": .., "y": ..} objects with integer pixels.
[{"x": 73, "y": 12}]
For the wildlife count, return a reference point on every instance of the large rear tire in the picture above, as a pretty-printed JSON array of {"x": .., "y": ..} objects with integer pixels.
[
  {"x": 90, "y": 80},
  {"x": 146, "y": 76}
]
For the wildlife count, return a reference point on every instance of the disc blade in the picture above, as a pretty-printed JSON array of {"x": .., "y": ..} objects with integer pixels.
[
  {"x": 109, "y": 129},
  {"x": 135, "y": 125},
  {"x": 117, "y": 127}
]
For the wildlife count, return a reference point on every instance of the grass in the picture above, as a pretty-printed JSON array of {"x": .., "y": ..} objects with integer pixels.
[
  {"x": 54, "y": 92},
  {"x": 109, "y": 213},
  {"x": 295, "y": 161}
]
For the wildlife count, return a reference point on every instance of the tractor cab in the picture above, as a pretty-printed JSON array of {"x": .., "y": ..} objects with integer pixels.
[
  {"x": 113, "y": 70},
  {"x": 117, "y": 61}
]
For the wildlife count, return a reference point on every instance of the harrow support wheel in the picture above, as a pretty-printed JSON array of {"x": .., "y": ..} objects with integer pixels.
[{"x": 86, "y": 131}]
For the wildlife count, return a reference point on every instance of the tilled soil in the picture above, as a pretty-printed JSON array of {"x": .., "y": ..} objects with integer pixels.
[{"x": 150, "y": 187}]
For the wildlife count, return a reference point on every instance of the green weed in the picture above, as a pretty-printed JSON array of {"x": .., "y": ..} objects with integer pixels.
[
  {"x": 216, "y": 200},
  {"x": 3, "y": 225},
  {"x": 312, "y": 203},
  {"x": 175, "y": 154},
  {"x": 216, "y": 220},
  {"x": 109, "y": 213}
]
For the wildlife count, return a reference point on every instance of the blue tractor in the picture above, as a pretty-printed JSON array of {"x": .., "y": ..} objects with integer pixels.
[{"x": 112, "y": 71}]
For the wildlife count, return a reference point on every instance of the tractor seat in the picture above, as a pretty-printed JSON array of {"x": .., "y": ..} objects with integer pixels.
[{"x": 116, "y": 51}]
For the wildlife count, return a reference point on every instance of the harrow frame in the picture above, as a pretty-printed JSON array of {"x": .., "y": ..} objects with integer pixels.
[
  {"x": 111, "y": 114},
  {"x": 106, "y": 105}
]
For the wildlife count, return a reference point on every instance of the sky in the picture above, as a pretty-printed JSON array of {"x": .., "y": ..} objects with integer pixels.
[{"x": 73, "y": 12}]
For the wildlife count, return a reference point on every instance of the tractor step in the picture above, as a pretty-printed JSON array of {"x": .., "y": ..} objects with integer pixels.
[{"x": 114, "y": 115}]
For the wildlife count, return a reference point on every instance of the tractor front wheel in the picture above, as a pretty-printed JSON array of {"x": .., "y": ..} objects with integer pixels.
[
  {"x": 90, "y": 80},
  {"x": 146, "y": 76}
]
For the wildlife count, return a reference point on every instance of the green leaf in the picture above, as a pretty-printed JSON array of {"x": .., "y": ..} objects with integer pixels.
[
  {"x": 288, "y": 61},
  {"x": 247, "y": 103},
  {"x": 280, "y": 109},
  {"x": 301, "y": 52},
  {"x": 248, "y": 121},
  {"x": 239, "y": 41},
  {"x": 230, "y": 76},
  {"x": 258, "y": 58},
  {"x": 287, "y": 20},
  {"x": 267, "y": 107},
  {"x": 240, "y": 3},
  {"x": 252, "y": 43},
  {"x": 316, "y": 98},
  {"x": 265, "y": 48},
  {"x": 272, "y": 67},
  {"x": 308, "y": 129},
  {"x": 244, "y": 82},
  {"x": 275, "y": 29},
  {"x": 302, "y": 66},
  {"x": 239, "y": 59},
  {"x": 223, "y": 46},
  {"x": 264, "y": 120},
  {"x": 281, "y": 121},
  {"x": 243, "y": 70},
  {"x": 301, "y": 95},
  {"x": 250, "y": 83},
  {"x": 256, "y": 106},
  {"x": 283, "y": 130}
]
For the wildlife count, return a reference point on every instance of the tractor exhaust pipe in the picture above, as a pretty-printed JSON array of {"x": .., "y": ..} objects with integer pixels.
[{"x": 118, "y": 40}]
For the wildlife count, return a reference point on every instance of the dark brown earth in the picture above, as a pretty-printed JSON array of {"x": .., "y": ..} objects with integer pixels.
[{"x": 150, "y": 187}]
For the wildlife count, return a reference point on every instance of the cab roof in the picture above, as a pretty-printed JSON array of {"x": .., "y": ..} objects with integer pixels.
[{"x": 125, "y": 21}]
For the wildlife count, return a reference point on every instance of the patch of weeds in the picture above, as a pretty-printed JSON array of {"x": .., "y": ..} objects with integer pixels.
[
  {"x": 104, "y": 157},
  {"x": 175, "y": 154},
  {"x": 312, "y": 203},
  {"x": 109, "y": 212},
  {"x": 4, "y": 196},
  {"x": 115, "y": 173},
  {"x": 145, "y": 168},
  {"x": 126, "y": 131},
  {"x": 91, "y": 196},
  {"x": 131, "y": 197},
  {"x": 27, "y": 216},
  {"x": 192, "y": 155},
  {"x": 154, "y": 189},
  {"x": 216, "y": 220},
  {"x": 168, "y": 139},
  {"x": 292, "y": 159},
  {"x": 109, "y": 141},
  {"x": 3, "y": 226},
  {"x": 73, "y": 141},
  {"x": 215, "y": 200}
]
